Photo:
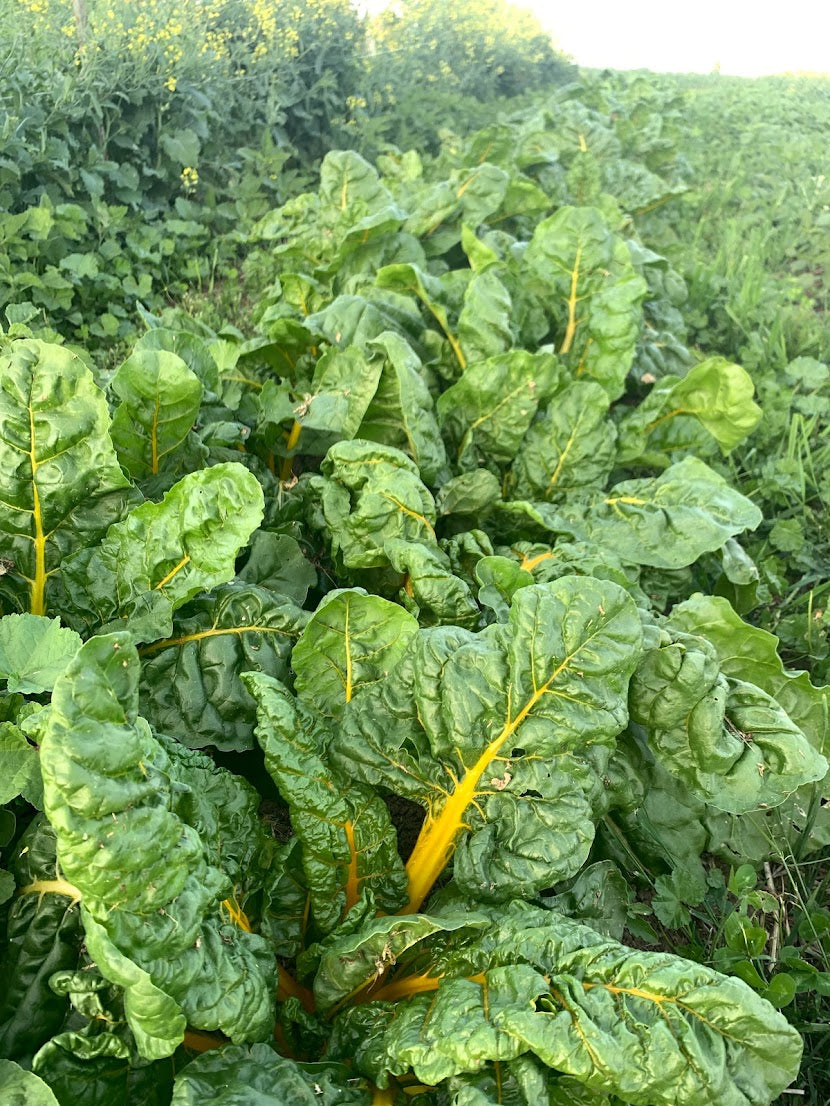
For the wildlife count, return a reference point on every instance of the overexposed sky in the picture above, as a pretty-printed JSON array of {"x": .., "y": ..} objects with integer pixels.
[{"x": 747, "y": 38}]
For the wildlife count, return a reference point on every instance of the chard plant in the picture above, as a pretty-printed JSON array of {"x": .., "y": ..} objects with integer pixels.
[{"x": 425, "y": 552}]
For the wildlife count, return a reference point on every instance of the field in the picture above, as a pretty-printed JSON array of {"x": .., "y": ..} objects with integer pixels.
[{"x": 414, "y": 566}]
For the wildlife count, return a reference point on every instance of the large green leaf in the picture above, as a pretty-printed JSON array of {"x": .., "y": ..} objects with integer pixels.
[
  {"x": 649, "y": 1027},
  {"x": 163, "y": 554},
  {"x": 413, "y": 281},
  {"x": 62, "y": 484},
  {"x": 593, "y": 291},
  {"x": 488, "y": 733},
  {"x": 33, "y": 652},
  {"x": 22, "y": 1088},
  {"x": 484, "y": 322},
  {"x": 371, "y": 493},
  {"x": 151, "y": 894},
  {"x": 670, "y": 521},
  {"x": 748, "y": 653},
  {"x": 348, "y": 842},
  {"x": 571, "y": 447},
  {"x": 728, "y": 740},
  {"x": 350, "y": 642},
  {"x": 160, "y": 399},
  {"x": 716, "y": 392},
  {"x": 487, "y": 413},
  {"x": 402, "y": 412},
  {"x": 44, "y": 935},
  {"x": 259, "y": 1076},
  {"x": 190, "y": 682},
  {"x": 430, "y": 588}
]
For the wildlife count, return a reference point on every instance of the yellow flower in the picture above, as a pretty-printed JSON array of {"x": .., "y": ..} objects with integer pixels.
[{"x": 171, "y": 83}]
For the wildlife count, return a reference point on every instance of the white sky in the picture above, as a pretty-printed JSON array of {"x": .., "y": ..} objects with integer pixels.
[{"x": 746, "y": 37}]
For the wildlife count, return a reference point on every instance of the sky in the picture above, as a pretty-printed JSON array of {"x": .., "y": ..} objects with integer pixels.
[
  {"x": 747, "y": 39},
  {"x": 742, "y": 37}
]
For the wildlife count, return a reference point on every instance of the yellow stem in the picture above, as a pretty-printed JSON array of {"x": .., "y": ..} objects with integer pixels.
[
  {"x": 291, "y": 440},
  {"x": 52, "y": 887},
  {"x": 570, "y": 331}
]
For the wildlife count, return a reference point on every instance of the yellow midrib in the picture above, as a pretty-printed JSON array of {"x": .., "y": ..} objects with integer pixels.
[
  {"x": 154, "y": 440},
  {"x": 570, "y": 331},
  {"x": 52, "y": 887},
  {"x": 38, "y": 582},
  {"x": 408, "y": 511},
  {"x": 216, "y": 631},
  {"x": 436, "y": 841},
  {"x": 173, "y": 572},
  {"x": 352, "y": 878}
]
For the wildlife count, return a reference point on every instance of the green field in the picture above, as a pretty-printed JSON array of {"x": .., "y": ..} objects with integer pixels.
[{"x": 414, "y": 565}]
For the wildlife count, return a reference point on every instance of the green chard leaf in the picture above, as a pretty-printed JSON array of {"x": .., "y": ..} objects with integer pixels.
[
  {"x": 570, "y": 448},
  {"x": 163, "y": 554},
  {"x": 716, "y": 392},
  {"x": 489, "y": 733},
  {"x": 649, "y": 1027},
  {"x": 62, "y": 484},
  {"x": 593, "y": 291},
  {"x": 402, "y": 411},
  {"x": 160, "y": 400},
  {"x": 259, "y": 1076},
  {"x": 22, "y": 1088},
  {"x": 190, "y": 683},
  {"x": 369, "y": 494},
  {"x": 350, "y": 642},
  {"x": 348, "y": 843},
  {"x": 34, "y": 651},
  {"x": 150, "y": 891},
  {"x": 727, "y": 740},
  {"x": 670, "y": 521},
  {"x": 486, "y": 414}
]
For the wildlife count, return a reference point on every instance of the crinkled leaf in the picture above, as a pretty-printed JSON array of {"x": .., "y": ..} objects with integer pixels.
[
  {"x": 670, "y": 521},
  {"x": 350, "y": 642},
  {"x": 19, "y": 767},
  {"x": 259, "y": 1076},
  {"x": 370, "y": 494},
  {"x": 349, "y": 844},
  {"x": 593, "y": 291},
  {"x": 649, "y": 1027},
  {"x": 160, "y": 399},
  {"x": 62, "y": 484},
  {"x": 430, "y": 589},
  {"x": 276, "y": 562},
  {"x": 571, "y": 447},
  {"x": 44, "y": 935},
  {"x": 727, "y": 740},
  {"x": 748, "y": 653},
  {"x": 487, "y": 730},
  {"x": 22, "y": 1088},
  {"x": 151, "y": 894},
  {"x": 486, "y": 414},
  {"x": 190, "y": 683},
  {"x": 165, "y": 553},
  {"x": 360, "y": 959},
  {"x": 402, "y": 412},
  {"x": 718, "y": 393},
  {"x": 484, "y": 322}
]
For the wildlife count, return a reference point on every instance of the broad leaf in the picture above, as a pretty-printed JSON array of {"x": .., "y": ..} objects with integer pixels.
[
  {"x": 350, "y": 642},
  {"x": 62, "y": 484},
  {"x": 160, "y": 399},
  {"x": 190, "y": 681},
  {"x": 151, "y": 896},
  {"x": 33, "y": 652},
  {"x": 593, "y": 292},
  {"x": 670, "y": 521},
  {"x": 165, "y": 553},
  {"x": 349, "y": 845},
  {"x": 487, "y": 732}
]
